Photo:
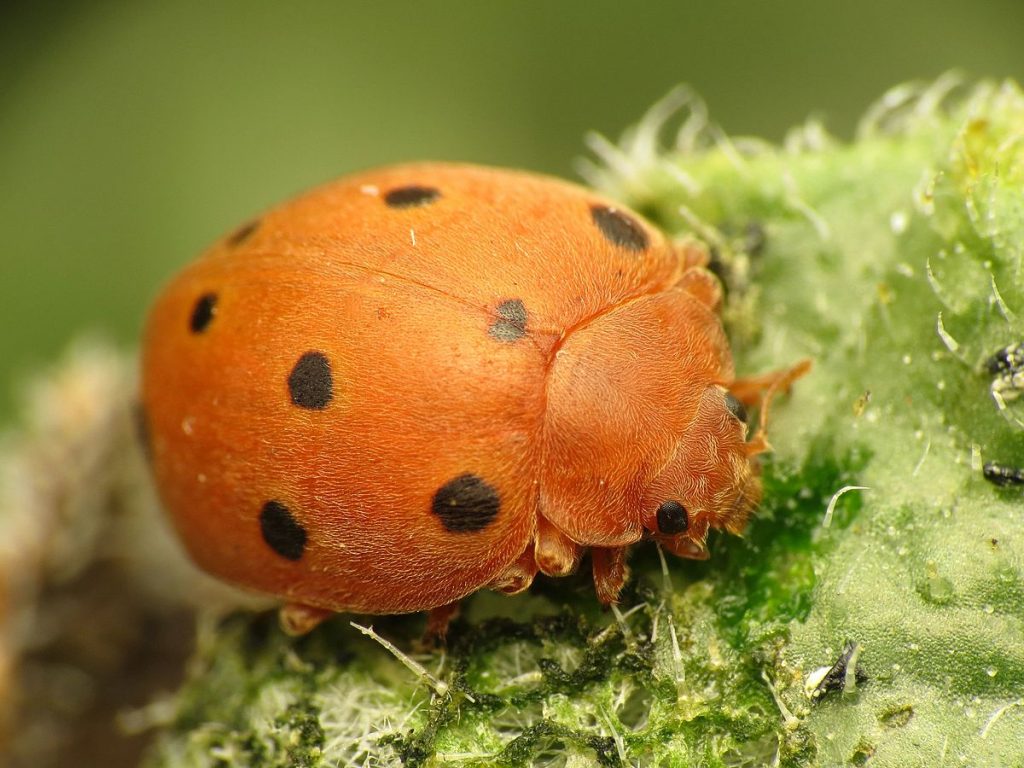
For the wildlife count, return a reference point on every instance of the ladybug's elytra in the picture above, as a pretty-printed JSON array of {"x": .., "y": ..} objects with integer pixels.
[{"x": 425, "y": 380}]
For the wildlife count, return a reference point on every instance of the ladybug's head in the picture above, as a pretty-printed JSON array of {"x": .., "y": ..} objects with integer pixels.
[{"x": 712, "y": 480}]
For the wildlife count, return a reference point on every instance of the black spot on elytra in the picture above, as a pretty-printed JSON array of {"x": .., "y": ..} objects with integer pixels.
[
  {"x": 243, "y": 233},
  {"x": 672, "y": 518},
  {"x": 466, "y": 504},
  {"x": 510, "y": 324},
  {"x": 310, "y": 383},
  {"x": 143, "y": 433},
  {"x": 203, "y": 312},
  {"x": 282, "y": 532},
  {"x": 619, "y": 228},
  {"x": 736, "y": 408},
  {"x": 411, "y": 196}
]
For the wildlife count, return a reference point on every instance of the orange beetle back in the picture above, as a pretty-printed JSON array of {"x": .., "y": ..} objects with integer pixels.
[{"x": 423, "y": 380}]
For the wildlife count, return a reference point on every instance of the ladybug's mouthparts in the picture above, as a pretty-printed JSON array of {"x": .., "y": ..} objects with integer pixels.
[{"x": 748, "y": 496}]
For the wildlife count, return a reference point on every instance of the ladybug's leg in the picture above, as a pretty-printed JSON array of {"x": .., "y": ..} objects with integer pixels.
[
  {"x": 298, "y": 619},
  {"x": 518, "y": 576},
  {"x": 610, "y": 572},
  {"x": 556, "y": 554},
  {"x": 703, "y": 286},
  {"x": 692, "y": 253},
  {"x": 438, "y": 620}
]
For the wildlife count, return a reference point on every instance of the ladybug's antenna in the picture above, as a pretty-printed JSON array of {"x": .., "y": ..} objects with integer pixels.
[{"x": 763, "y": 389}]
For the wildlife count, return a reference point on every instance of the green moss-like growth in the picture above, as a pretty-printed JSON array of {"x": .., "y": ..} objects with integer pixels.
[{"x": 895, "y": 263}]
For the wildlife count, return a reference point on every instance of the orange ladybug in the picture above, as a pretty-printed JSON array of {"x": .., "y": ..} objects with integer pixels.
[{"x": 429, "y": 379}]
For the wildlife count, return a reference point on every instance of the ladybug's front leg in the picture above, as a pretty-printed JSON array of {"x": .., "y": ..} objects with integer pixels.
[
  {"x": 555, "y": 553},
  {"x": 610, "y": 572}
]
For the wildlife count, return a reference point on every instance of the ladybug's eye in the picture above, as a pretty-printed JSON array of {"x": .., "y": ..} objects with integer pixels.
[
  {"x": 735, "y": 407},
  {"x": 672, "y": 518}
]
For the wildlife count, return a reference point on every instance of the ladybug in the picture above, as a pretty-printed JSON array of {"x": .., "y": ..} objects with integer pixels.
[{"x": 429, "y": 379}]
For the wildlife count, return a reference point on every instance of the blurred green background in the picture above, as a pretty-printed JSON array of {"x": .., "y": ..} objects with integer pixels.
[{"x": 133, "y": 133}]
